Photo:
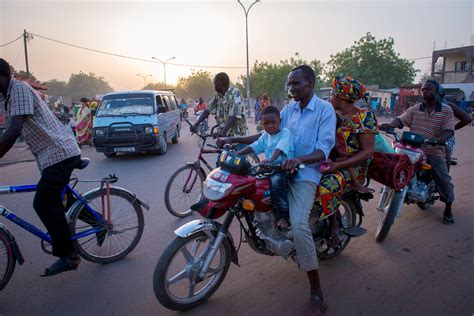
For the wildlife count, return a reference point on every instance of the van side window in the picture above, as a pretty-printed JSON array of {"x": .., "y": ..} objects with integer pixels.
[
  {"x": 159, "y": 102},
  {"x": 174, "y": 106},
  {"x": 166, "y": 102}
]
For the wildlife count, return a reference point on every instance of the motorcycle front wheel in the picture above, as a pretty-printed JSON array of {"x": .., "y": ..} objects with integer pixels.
[
  {"x": 176, "y": 280},
  {"x": 389, "y": 212}
]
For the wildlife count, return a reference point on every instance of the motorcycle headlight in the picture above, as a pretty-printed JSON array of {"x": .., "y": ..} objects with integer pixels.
[
  {"x": 215, "y": 190},
  {"x": 99, "y": 132},
  {"x": 413, "y": 155}
]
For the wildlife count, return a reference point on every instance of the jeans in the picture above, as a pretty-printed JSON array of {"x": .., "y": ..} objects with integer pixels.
[
  {"x": 301, "y": 200},
  {"x": 49, "y": 207},
  {"x": 279, "y": 195}
]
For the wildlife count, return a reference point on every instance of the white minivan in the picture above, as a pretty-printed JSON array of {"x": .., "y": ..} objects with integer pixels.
[{"x": 136, "y": 121}]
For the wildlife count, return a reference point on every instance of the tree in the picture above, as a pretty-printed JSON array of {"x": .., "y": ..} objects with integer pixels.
[
  {"x": 198, "y": 84},
  {"x": 87, "y": 85},
  {"x": 158, "y": 86},
  {"x": 270, "y": 79},
  {"x": 373, "y": 61},
  {"x": 57, "y": 87}
]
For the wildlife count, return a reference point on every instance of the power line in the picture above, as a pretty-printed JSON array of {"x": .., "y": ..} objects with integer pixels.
[
  {"x": 12, "y": 41},
  {"x": 128, "y": 57}
]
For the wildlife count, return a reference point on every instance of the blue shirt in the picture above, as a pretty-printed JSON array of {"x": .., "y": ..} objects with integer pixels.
[
  {"x": 313, "y": 128},
  {"x": 268, "y": 143}
]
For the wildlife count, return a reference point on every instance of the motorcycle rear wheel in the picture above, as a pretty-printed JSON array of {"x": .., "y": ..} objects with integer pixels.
[
  {"x": 348, "y": 219},
  {"x": 195, "y": 293}
]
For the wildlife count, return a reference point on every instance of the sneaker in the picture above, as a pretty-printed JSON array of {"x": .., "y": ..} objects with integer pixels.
[{"x": 62, "y": 265}]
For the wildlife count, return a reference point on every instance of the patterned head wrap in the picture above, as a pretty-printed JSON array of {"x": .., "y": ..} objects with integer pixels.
[{"x": 349, "y": 89}]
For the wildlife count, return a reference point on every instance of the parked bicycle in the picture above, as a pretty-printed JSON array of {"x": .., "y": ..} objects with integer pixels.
[
  {"x": 184, "y": 187},
  {"x": 106, "y": 223}
]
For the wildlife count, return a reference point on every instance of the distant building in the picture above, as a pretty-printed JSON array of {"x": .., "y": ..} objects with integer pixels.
[{"x": 453, "y": 68}]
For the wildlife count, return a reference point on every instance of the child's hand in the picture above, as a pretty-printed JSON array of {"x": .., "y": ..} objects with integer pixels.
[{"x": 264, "y": 160}]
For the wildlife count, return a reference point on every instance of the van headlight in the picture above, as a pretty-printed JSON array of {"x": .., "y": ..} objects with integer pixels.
[
  {"x": 215, "y": 190},
  {"x": 99, "y": 132},
  {"x": 151, "y": 130}
]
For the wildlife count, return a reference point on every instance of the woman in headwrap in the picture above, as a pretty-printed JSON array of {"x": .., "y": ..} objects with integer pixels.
[
  {"x": 355, "y": 135},
  {"x": 84, "y": 123}
]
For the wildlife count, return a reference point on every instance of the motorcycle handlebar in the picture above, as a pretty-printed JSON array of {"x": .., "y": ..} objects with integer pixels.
[{"x": 272, "y": 167}]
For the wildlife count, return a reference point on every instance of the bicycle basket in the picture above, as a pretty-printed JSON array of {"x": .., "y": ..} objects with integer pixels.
[{"x": 231, "y": 162}]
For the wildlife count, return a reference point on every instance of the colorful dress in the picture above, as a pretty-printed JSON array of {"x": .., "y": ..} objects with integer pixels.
[
  {"x": 333, "y": 185},
  {"x": 84, "y": 125}
]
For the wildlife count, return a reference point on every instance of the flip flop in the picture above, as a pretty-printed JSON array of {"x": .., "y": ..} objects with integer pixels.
[{"x": 448, "y": 219}]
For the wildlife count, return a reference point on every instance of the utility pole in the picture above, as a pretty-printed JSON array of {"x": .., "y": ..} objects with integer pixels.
[
  {"x": 25, "y": 40},
  {"x": 246, "y": 11}
]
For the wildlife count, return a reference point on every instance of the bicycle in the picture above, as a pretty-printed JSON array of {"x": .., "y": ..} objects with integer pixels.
[
  {"x": 112, "y": 215},
  {"x": 185, "y": 185}
]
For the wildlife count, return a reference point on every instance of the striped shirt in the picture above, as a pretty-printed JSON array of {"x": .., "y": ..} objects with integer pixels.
[
  {"x": 430, "y": 125},
  {"x": 48, "y": 139}
]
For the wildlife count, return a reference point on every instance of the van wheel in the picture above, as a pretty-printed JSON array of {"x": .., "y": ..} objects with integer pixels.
[
  {"x": 175, "y": 138},
  {"x": 163, "y": 145},
  {"x": 110, "y": 155}
]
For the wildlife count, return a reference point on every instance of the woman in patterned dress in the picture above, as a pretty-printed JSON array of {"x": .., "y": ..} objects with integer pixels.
[{"x": 356, "y": 136}]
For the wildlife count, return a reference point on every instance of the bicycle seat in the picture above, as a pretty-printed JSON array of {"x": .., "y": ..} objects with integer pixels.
[{"x": 82, "y": 163}]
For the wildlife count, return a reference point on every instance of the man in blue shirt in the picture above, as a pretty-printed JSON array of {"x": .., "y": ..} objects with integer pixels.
[{"x": 312, "y": 123}]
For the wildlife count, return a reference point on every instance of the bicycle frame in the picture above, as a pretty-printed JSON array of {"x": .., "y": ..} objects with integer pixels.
[{"x": 35, "y": 230}]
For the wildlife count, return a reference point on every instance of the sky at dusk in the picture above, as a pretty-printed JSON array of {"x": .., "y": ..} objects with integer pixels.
[{"x": 212, "y": 33}]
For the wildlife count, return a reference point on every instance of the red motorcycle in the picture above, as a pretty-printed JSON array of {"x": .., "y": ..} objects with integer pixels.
[{"x": 194, "y": 265}]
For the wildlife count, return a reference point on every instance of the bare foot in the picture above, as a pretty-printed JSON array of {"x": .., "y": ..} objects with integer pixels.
[
  {"x": 315, "y": 307},
  {"x": 282, "y": 223},
  {"x": 359, "y": 187}
]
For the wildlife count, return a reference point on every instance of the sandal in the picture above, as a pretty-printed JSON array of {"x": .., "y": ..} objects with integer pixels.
[
  {"x": 318, "y": 301},
  {"x": 61, "y": 265},
  {"x": 448, "y": 219}
]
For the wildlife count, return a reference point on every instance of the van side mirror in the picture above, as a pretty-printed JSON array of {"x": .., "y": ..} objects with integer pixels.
[{"x": 161, "y": 109}]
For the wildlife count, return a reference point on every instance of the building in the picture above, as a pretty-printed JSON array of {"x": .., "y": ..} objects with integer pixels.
[{"x": 453, "y": 68}]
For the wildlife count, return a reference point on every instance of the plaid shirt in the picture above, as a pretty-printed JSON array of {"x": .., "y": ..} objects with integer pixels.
[
  {"x": 48, "y": 139},
  {"x": 229, "y": 104}
]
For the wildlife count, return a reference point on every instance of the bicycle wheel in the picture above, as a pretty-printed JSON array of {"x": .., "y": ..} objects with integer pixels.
[
  {"x": 7, "y": 260},
  {"x": 183, "y": 189},
  {"x": 119, "y": 237}
]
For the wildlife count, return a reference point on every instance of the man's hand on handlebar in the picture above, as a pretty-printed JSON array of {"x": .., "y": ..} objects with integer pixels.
[
  {"x": 221, "y": 141},
  {"x": 385, "y": 127},
  {"x": 290, "y": 165}
]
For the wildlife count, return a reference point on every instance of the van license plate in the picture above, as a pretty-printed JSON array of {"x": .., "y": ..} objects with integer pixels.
[{"x": 124, "y": 149}]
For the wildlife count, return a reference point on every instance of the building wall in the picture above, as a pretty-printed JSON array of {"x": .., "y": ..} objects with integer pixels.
[{"x": 453, "y": 58}]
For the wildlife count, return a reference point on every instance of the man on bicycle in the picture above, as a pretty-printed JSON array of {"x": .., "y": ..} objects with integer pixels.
[
  {"x": 56, "y": 153},
  {"x": 228, "y": 108}
]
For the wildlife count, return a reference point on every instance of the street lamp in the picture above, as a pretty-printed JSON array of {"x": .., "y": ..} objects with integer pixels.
[
  {"x": 164, "y": 65},
  {"x": 246, "y": 11},
  {"x": 144, "y": 78}
]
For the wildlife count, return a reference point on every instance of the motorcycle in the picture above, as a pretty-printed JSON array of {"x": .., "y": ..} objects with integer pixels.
[
  {"x": 420, "y": 190},
  {"x": 195, "y": 264}
]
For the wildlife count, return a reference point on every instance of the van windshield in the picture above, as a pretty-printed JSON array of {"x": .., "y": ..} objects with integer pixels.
[{"x": 126, "y": 104}]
